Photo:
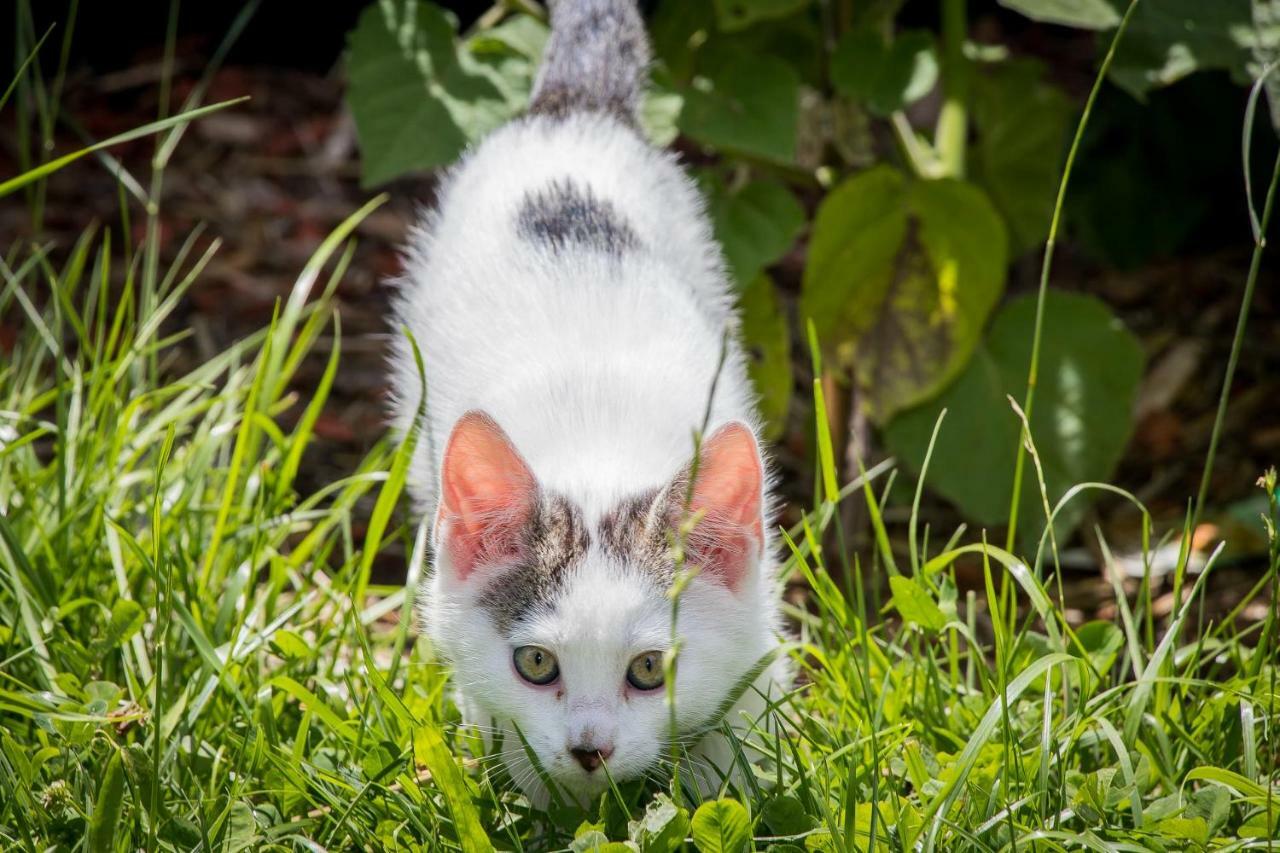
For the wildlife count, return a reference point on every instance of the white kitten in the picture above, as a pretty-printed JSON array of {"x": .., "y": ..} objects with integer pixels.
[{"x": 575, "y": 318}]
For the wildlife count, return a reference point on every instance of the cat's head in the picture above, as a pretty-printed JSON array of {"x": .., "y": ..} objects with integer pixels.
[{"x": 556, "y": 615}]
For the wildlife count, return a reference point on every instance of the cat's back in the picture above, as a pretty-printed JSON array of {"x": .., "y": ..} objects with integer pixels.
[
  {"x": 547, "y": 196},
  {"x": 567, "y": 281}
]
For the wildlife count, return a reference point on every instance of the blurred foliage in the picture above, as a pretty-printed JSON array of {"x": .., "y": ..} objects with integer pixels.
[
  {"x": 1089, "y": 371},
  {"x": 918, "y": 165}
]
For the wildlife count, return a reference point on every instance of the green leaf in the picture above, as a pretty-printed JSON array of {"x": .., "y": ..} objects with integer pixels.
[
  {"x": 885, "y": 77},
  {"x": 916, "y": 604},
  {"x": 291, "y": 645},
  {"x": 767, "y": 340},
  {"x": 662, "y": 828},
  {"x": 1088, "y": 14},
  {"x": 127, "y": 618},
  {"x": 785, "y": 815},
  {"x": 241, "y": 831},
  {"x": 660, "y": 115},
  {"x": 107, "y": 808},
  {"x": 1089, "y": 371},
  {"x": 1212, "y": 804},
  {"x": 1022, "y": 123},
  {"x": 45, "y": 169},
  {"x": 740, "y": 14},
  {"x": 1170, "y": 39},
  {"x": 418, "y": 97},
  {"x": 1101, "y": 641},
  {"x": 900, "y": 279},
  {"x": 750, "y": 105},
  {"x": 756, "y": 224},
  {"x": 721, "y": 826},
  {"x": 1185, "y": 829},
  {"x": 429, "y": 750}
]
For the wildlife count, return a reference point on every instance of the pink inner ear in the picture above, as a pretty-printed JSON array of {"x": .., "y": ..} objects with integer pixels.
[
  {"x": 729, "y": 491},
  {"x": 486, "y": 494}
]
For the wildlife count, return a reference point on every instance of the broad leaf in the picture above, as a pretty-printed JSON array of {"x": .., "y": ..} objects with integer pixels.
[
  {"x": 1089, "y": 371},
  {"x": 662, "y": 828},
  {"x": 721, "y": 826},
  {"x": 885, "y": 77},
  {"x": 1170, "y": 39},
  {"x": 1212, "y": 803},
  {"x": 900, "y": 279},
  {"x": 1088, "y": 14},
  {"x": 241, "y": 830},
  {"x": 786, "y": 815},
  {"x": 750, "y": 105},
  {"x": 418, "y": 97},
  {"x": 1022, "y": 124},
  {"x": 915, "y": 604},
  {"x": 755, "y": 224}
]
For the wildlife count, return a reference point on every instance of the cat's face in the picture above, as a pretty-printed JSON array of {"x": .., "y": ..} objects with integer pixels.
[{"x": 557, "y": 622}]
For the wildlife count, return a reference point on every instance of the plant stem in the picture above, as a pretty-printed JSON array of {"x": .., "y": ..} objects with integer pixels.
[
  {"x": 1259, "y": 244},
  {"x": 953, "y": 124},
  {"x": 1034, "y": 368}
]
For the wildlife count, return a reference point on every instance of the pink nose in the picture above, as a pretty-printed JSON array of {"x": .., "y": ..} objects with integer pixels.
[{"x": 591, "y": 757}]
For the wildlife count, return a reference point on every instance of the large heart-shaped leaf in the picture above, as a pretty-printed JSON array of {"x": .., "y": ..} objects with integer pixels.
[
  {"x": 1089, "y": 14},
  {"x": 1170, "y": 39},
  {"x": 1022, "y": 124},
  {"x": 418, "y": 96},
  {"x": 900, "y": 279},
  {"x": 750, "y": 104},
  {"x": 885, "y": 77},
  {"x": 721, "y": 826},
  {"x": 1089, "y": 371}
]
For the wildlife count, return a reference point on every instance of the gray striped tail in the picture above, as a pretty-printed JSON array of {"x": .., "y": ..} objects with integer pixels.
[{"x": 596, "y": 60}]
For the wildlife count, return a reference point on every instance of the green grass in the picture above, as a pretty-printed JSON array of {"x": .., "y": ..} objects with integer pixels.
[{"x": 193, "y": 656}]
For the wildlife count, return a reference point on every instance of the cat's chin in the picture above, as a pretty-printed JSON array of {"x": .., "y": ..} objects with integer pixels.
[{"x": 578, "y": 790}]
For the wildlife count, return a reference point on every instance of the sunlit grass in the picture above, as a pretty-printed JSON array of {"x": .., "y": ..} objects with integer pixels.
[{"x": 193, "y": 654}]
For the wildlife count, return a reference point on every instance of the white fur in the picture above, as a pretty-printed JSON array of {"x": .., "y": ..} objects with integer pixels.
[{"x": 599, "y": 369}]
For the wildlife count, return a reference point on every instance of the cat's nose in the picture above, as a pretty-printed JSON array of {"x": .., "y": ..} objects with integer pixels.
[{"x": 591, "y": 757}]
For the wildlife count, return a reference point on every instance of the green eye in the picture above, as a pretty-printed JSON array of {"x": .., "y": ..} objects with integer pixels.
[
  {"x": 536, "y": 665},
  {"x": 645, "y": 672}
]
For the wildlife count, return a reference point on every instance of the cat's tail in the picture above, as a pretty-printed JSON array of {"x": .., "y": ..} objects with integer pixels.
[{"x": 596, "y": 60}]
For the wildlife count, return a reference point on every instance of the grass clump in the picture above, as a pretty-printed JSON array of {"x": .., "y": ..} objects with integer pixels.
[{"x": 192, "y": 654}]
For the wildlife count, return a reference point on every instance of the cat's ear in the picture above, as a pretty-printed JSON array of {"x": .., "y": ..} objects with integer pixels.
[
  {"x": 728, "y": 490},
  {"x": 487, "y": 493}
]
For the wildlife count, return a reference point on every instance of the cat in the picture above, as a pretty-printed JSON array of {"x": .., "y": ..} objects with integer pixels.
[{"x": 578, "y": 329}]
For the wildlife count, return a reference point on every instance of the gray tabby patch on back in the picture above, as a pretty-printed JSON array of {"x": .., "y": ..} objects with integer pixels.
[
  {"x": 563, "y": 215},
  {"x": 596, "y": 60},
  {"x": 555, "y": 540}
]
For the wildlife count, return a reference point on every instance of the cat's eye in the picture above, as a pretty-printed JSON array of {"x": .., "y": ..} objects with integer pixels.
[
  {"x": 645, "y": 671},
  {"x": 536, "y": 665}
]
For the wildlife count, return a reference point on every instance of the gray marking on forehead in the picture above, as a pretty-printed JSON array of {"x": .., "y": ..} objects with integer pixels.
[
  {"x": 555, "y": 540},
  {"x": 637, "y": 532},
  {"x": 563, "y": 214}
]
